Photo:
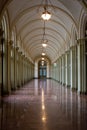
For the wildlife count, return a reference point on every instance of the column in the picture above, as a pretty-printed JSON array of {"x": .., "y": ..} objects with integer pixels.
[
  {"x": 63, "y": 70},
  {"x": 60, "y": 64},
  {"x": 9, "y": 44},
  {"x": 57, "y": 71},
  {"x": 18, "y": 69},
  {"x": 81, "y": 67},
  {"x": 15, "y": 67},
  {"x": 21, "y": 69},
  {"x": 5, "y": 66},
  {"x": 12, "y": 66},
  {"x": 28, "y": 70},
  {"x": 23, "y": 56},
  {"x": 1, "y": 83},
  {"x": 73, "y": 58},
  {"x": 66, "y": 70}
]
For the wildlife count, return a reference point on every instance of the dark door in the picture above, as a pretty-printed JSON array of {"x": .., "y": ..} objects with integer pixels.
[{"x": 42, "y": 73}]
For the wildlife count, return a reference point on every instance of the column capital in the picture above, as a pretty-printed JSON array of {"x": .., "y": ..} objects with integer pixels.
[
  {"x": 26, "y": 57},
  {"x": 81, "y": 41},
  {"x": 67, "y": 52},
  {"x": 73, "y": 47},
  {"x": 23, "y": 56},
  {"x": 17, "y": 48},
  {"x": 10, "y": 42}
]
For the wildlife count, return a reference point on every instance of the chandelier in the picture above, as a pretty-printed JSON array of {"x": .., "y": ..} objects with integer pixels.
[
  {"x": 42, "y": 58},
  {"x": 46, "y": 15}
]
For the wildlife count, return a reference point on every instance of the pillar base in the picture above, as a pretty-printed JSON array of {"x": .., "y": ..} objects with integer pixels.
[
  {"x": 64, "y": 84},
  {"x": 5, "y": 93},
  {"x": 68, "y": 86}
]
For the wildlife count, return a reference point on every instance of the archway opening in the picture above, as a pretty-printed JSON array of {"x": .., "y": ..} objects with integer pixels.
[{"x": 42, "y": 69}]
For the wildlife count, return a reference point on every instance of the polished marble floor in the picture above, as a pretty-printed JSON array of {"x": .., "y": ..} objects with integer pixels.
[{"x": 43, "y": 105}]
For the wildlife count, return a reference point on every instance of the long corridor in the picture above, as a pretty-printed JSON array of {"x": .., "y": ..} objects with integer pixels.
[{"x": 43, "y": 105}]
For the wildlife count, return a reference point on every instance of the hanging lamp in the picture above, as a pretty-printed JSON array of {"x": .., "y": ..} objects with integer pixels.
[{"x": 46, "y": 15}]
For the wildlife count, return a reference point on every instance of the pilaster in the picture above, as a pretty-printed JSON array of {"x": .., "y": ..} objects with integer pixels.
[{"x": 81, "y": 67}]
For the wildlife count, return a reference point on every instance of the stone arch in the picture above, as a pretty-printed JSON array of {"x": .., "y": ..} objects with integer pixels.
[
  {"x": 74, "y": 35},
  {"x": 36, "y": 67},
  {"x": 82, "y": 24},
  {"x": 14, "y": 37},
  {"x": 5, "y": 26}
]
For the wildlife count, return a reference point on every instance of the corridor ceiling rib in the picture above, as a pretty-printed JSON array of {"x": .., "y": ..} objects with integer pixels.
[
  {"x": 38, "y": 41},
  {"x": 50, "y": 24},
  {"x": 25, "y": 16},
  {"x": 49, "y": 30},
  {"x": 55, "y": 23},
  {"x": 53, "y": 48}
]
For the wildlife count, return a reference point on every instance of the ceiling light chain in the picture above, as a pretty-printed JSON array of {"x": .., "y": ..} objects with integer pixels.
[
  {"x": 44, "y": 40},
  {"x": 46, "y": 15}
]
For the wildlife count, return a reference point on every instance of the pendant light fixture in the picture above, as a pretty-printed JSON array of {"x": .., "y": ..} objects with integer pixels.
[
  {"x": 44, "y": 40},
  {"x": 46, "y": 15},
  {"x": 43, "y": 54},
  {"x": 42, "y": 58}
]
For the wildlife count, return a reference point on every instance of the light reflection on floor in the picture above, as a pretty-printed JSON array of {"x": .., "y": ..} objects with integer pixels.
[{"x": 43, "y": 105}]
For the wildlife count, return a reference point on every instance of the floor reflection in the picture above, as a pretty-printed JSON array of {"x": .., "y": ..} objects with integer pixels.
[{"x": 43, "y": 105}]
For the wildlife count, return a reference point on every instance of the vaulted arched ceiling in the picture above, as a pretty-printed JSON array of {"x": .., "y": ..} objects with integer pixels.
[{"x": 25, "y": 16}]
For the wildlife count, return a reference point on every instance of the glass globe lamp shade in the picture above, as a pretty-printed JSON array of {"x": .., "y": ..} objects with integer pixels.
[
  {"x": 46, "y": 15},
  {"x": 43, "y": 54},
  {"x": 44, "y": 44}
]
